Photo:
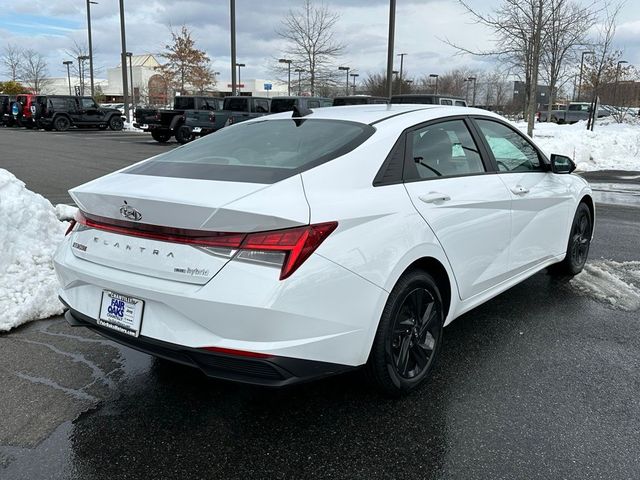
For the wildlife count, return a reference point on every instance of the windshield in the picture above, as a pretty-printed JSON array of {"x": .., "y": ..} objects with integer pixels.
[{"x": 259, "y": 152}]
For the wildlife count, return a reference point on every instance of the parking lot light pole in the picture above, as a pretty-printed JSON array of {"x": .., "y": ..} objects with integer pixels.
[
  {"x": 299, "y": 72},
  {"x": 615, "y": 88},
  {"x": 81, "y": 60},
  {"x": 68, "y": 63},
  {"x": 123, "y": 63},
  {"x": 89, "y": 3},
  {"x": 409, "y": 83},
  {"x": 347, "y": 70},
  {"x": 232, "y": 15},
  {"x": 354, "y": 75},
  {"x": 288, "y": 62},
  {"x": 392, "y": 29},
  {"x": 433, "y": 75},
  {"x": 473, "y": 98},
  {"x": 580, "y": 78},
  {"x": 133, "y": 92},
  {"x": 239, "y": 65},
  {"x": 401, "y": 55}
]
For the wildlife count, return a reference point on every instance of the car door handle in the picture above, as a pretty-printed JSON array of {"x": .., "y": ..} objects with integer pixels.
[
  {"x": 519, "y": 190},
  {"x": 434, "y": 197}
]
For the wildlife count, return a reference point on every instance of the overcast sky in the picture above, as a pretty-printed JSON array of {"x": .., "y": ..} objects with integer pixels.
[{"x": 51, "y": 26}]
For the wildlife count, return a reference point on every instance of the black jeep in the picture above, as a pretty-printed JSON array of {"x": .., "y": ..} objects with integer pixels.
[{"x": 62, "y": 112}]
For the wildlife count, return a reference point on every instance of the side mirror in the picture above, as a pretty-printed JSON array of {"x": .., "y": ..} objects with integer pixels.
[{"x": 562, "y": 164}]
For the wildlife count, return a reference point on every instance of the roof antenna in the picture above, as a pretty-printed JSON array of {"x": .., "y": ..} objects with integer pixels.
[{"x": 299, "y": 112}]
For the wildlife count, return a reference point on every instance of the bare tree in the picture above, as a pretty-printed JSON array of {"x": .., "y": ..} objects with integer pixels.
[
  {"x": 603, "y": 50},
  {"x": 519, "y": 28},
  {"x": 186, "y": 65},
  {"x": 376, "y": 84},
  {"x": 309, "y": 33},
  {"x": 33, "y": 71},
  {"x": 567, "y": 29},
  {"x": 11, "y": 56},
  {"x": 454, "y": 82}
]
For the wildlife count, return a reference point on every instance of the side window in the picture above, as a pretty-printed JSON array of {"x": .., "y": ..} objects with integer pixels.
[
  {"x": 512, "y": 151},
  {"x": 262, "y": 106},
  {"x": 71, "y": 105},
  {"x": 460, "y": 103},
  {"x": 445, "y": 101},
  {"x": 88, "y": 104},
  {"x": 314, "y": 104},
  {"x": 442, "y": 150}
]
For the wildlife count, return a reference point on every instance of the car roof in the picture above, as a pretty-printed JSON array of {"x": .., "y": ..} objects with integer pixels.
[{"x": 375, "y": 113}]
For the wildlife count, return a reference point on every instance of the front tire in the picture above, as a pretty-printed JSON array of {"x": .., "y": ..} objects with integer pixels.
[
  {"x": 115, "y": 123},
  {"x": 578, "y": 245},
  {"x": 409, "y": 335}
]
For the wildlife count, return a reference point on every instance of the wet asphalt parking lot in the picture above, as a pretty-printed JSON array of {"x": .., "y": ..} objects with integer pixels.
[{"x": 541, "y": 382}]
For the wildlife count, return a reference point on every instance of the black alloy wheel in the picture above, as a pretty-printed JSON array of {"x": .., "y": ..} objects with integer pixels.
[
  {"x": 409, "y": 335},
  {"x": 116, "y": 123},
  {"x": 415, "y": 334},
  {"x": 61, "y": 124},
  {"x": 184, "y": 135},
  {"x": 578, "y": 245}
]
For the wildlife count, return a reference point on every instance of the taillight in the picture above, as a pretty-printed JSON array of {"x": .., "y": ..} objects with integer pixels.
[
  {"x": 294, "y": 244},
  {"x": 287, "y": 249}
]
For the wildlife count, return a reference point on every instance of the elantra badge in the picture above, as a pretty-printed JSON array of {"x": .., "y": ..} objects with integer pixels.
[{"x": 130, "y": 213}]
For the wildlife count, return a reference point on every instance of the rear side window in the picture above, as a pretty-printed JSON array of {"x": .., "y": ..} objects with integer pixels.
[
  {"x": 282, "y": 105},
  {"x": 460, "y": 103},
  {"x": 236, "y": 104},
  {"x": 443, "y": 149},
  {"x": 184, "y": 103},
  {"x": 259, "y": 152},
  {"x": 262, "y": 106},
  {"x": 445, "y": 101}
]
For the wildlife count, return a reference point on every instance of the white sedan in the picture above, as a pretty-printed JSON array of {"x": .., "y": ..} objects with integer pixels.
[{"x": 297, "y": 246}]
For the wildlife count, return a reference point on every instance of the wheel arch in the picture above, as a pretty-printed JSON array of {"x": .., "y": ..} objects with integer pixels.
[
  {"x": 588, "y": 200},
  {"x": 436, "y": 269}
]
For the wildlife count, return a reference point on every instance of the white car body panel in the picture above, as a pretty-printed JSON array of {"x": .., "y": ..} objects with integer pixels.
[{"x": 485, "y": 238}]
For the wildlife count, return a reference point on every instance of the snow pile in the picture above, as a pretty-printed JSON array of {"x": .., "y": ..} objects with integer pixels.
[
  {"x": 29, "y": 234},
  {"x": 611, "y": 146},
  {"x": 614, "y": 283},
  {"x": 65, "y": 212}
]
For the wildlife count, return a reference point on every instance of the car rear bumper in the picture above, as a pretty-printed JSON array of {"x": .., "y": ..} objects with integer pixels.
[
  {"x": 323, "y": 313},
  {"x": 272, "y": 371}
]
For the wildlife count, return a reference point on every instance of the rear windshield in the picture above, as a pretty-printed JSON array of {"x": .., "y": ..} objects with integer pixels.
[
  {"x": 259, "y": 152},
  {"x": 282, "y": 104}
]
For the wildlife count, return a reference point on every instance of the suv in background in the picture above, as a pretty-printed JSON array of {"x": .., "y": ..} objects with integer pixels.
[
  {"x": 429, "y": 99},
  {"x": 26, "y": 110},
  {"x": 5, "y": 110},
  {"x": 62, "y": 112},
  {"x": 286, "y": 104},
  {"x": 358, "y": 100}
]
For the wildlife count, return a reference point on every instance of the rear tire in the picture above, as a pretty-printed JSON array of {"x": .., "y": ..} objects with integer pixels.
[
  {"x": 115, "y": 123},
  {"x": 184, "y": 135},
  {"x": 62, "y": 124},
  {"x": 409, "y": 335},
  {"x": 578, "y": 245},
  {"x": 162, "y": 136}
]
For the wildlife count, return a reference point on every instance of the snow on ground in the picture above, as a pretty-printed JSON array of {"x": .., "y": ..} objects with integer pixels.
[
  {"x": 29, "y": 234},
  {"x": 611, "y": 146},
  {"x": 614, "y": 283},
  {"x": 128, "y": 127}
]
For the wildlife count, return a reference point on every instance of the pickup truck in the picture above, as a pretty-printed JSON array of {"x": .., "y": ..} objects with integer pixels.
[
  {"x": 571, "y": 113},
  {"x": 234, "y": 110},
  {"x": 167, "y": 123}
]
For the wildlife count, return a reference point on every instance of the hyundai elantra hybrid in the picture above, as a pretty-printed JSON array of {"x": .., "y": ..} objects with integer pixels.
[{"x": 306, "y": 244}]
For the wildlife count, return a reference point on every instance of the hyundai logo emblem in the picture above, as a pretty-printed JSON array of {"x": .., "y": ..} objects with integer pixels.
[{"x": 130, "y": 213}]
